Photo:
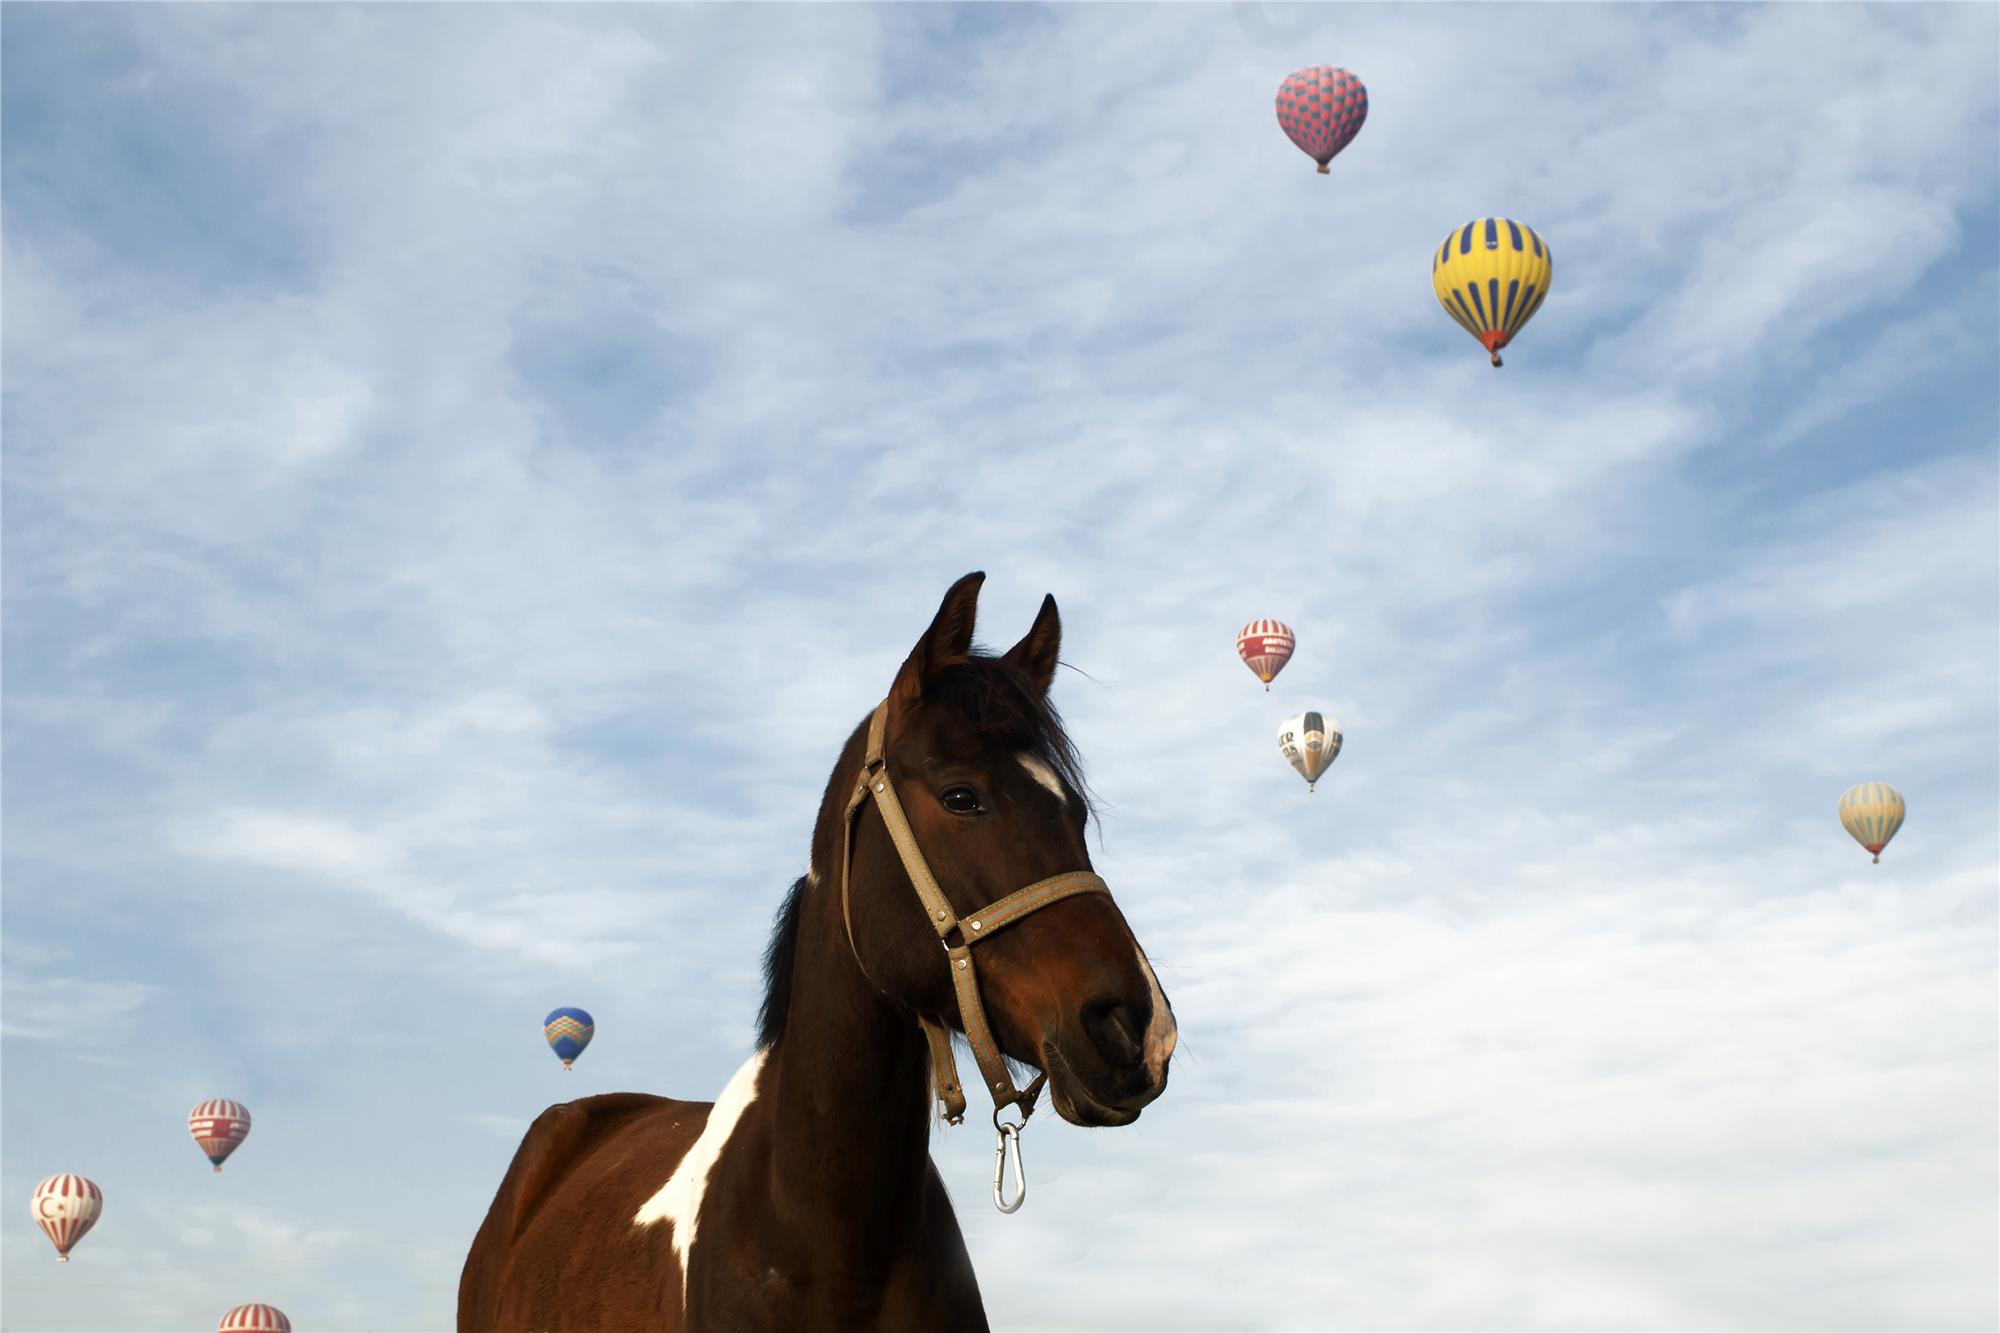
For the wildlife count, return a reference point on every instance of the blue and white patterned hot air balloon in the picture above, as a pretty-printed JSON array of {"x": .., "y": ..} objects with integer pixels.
[{"x": 568, "y": 1031}]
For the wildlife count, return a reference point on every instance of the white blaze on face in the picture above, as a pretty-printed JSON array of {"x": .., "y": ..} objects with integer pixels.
[
  {"x": 1045, "y": 775},
  {"x": 1162, "y": 1034},
  {"x": 679, "y": 1200}
]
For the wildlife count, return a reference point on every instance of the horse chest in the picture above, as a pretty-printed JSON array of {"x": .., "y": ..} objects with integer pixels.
[{"x": 801, "y": 1282}]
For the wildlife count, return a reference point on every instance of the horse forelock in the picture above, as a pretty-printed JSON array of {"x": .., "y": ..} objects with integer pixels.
[{"x": 998, "y": 701}]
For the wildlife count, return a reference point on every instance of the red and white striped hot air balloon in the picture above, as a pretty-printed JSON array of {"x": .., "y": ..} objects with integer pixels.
[
  {"x": 1265, "y": 646},
  {"x": 219, "y": 1127},
  {"x": 255, "y": 1319},
  {"x": 65, "y": 1207}
]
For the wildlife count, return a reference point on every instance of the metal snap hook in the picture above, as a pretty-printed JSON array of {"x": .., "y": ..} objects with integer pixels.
[{"x": 1007, "y": 1134}]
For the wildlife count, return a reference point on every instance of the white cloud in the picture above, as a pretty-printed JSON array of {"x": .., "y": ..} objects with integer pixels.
[{"x": 83, "y": 1013}]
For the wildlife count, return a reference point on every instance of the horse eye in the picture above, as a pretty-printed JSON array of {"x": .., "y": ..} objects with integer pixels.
[{"x": 962, "y": 801}]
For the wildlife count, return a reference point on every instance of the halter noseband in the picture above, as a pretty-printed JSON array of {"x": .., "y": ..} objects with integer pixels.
[{"x": 970, "y": 930}]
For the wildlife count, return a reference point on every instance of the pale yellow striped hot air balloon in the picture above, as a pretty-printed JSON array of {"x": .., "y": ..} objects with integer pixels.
[{"x": 1872, "y": 812}]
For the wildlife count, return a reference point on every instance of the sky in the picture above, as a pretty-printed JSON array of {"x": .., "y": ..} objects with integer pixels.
[{"x": 467, "y": 469}]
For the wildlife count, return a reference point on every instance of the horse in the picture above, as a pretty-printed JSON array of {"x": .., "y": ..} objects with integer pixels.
[{"x": 804, "y": 1197}]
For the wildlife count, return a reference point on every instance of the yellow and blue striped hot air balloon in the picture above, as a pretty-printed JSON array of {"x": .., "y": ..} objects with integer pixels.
[
  {"x": 1492, "y": 275},
  {"x": 1872, "y": 812}
]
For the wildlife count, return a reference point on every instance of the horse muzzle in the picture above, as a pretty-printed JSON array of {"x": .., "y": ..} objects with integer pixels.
[{"x": 1113, "y": 1081}]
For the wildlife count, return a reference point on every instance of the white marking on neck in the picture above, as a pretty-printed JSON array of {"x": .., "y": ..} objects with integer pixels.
[
  {"x": 679, "y": 1200},
  {"x": 1045, "y": 775},
  {"x": 1162, "y": 1033}
]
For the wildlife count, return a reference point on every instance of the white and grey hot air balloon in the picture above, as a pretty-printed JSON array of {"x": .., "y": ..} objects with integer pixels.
[{"x": 1309, "y": 743}]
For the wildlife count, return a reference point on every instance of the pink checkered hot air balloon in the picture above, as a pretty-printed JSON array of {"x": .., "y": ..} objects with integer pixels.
[
  {"x": 1321, "y": 108},
  {"x": 219, "y": 1126},
  {"x": 1265, "y": 646},
  {"x": 65, "y": 1207},
  {"x": 255, "y": 1319}
]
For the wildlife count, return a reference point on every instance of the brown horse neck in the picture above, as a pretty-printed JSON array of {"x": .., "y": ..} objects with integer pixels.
[{"x": 847, "y": 1094}]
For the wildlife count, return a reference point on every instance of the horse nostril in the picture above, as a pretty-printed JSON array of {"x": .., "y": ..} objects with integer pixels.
[{"x": 1110, "y": 1027}]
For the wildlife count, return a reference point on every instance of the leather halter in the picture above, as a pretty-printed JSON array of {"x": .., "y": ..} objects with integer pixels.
[{"x": 969, "y": 930}]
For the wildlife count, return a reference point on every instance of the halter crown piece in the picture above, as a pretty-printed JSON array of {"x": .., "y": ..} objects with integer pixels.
[{"x": 958, "y": 935}]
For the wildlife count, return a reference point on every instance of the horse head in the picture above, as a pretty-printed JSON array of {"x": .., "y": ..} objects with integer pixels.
[{"x": 993, "y": 798}]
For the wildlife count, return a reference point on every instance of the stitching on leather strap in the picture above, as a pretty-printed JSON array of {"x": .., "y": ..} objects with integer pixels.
[
  {"x": 990, "y": 920},
  {"x": 972, "y": 1012},
  {"x": 944, "y": 1070}
]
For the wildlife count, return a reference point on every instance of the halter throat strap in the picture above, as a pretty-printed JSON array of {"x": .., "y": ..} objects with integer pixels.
[{"x": 874, "y": 782}]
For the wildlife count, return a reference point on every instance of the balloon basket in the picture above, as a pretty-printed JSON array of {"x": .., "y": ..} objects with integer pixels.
[
  {"x": 218, "y": 1168},
  {"x": 62, "y": 1258}
]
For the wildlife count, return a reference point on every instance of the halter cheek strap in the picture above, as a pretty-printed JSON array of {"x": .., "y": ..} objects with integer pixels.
[{"x": 989, "y": 921}]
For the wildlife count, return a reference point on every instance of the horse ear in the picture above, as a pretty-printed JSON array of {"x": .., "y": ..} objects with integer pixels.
[
  {"x": 949, "y": 639},
  {"x": 1036, "y": 653}
]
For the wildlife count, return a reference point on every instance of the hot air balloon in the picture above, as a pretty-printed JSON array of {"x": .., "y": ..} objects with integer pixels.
[
  {"x": 1492, "y": 275},
  {"x": 568, "y": 1031},
  {"x": 219, "y": 1126},
  {"x": 1321, "y": 109},
  {"x": 1309, "y": 743},
  {"x": 65, "y": 1207},
  {"x": 255, "y": 1319},
  {"x": 1265, "y": 646},
  {"x": 1872, "y": 812}
]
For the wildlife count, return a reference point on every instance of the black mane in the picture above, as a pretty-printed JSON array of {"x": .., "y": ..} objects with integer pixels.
[
  {"x": 778, "y": 956},
  {"x": 998, "y": 701}
]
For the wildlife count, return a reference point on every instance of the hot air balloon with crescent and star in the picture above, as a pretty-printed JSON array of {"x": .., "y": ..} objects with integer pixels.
[
  {"x": 1265, "y": 646},
  {"x": 1872, "y": 812},
  {"x": 219, "y": 1127},
  {"x": 1309, "y": 743},
  {"x": 568, "y": 1031},
  {"x": 65, "y": 1207},
  {"x": 1492, "y": 275},
  {"x": 1321, "y": 109},
  {"x": 254, "y": 1319}
]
